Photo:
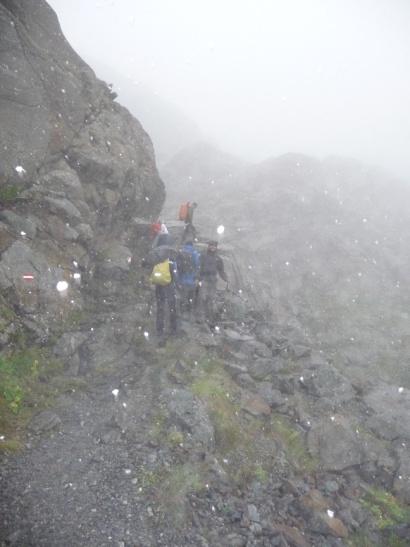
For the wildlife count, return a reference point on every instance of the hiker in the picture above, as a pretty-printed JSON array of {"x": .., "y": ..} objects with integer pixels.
[
  {"x": 154, "y": 229},
  {"x": 191, "y": 209},
  {"x": 211, "y": 265},
  {"x": 164, "y": 276},
  {"x": 188, "y": 262},
  {"x": 186, "y": 213},
  {"x": 162, "y": 230}
]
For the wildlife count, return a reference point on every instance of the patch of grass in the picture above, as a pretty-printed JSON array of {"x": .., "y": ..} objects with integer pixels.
[
  {"x": 293, "y": 443},
  {"x": 75, "y": 317},
  {"x": 11, "y": 445},
  {"x": 175, "y": 484},
  {"x": 65, "y": 384},
  {"x": 261, "y": 474},
  {"x": 24, "y": 386},
  {"x": 386, "y": 509},
  {"x": 394, "y": 541},
  {"x": 175, "y": 438},
  {"x": 148, "y": 479},
  {"x": 7, "y": 314},
  {"x": 217, "y": 391},
  {"x": 240, "y": 441},
  {"x": 9, "y": 193},
  {"x": 181, "y": 480},
  {"x": 361, "y": 539},
  {"x": 158, "y": 429}
]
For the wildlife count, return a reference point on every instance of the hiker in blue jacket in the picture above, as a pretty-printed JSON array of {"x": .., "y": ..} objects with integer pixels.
[{"x": 188, "y": 262}]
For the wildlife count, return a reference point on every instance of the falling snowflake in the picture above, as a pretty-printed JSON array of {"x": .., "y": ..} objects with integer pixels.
[
  {"x": 20, "y": 170},
  {"x": 62, "y": 286}
]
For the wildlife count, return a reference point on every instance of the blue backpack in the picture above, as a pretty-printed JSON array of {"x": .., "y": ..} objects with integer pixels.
[{"x": 188, "y": 265}]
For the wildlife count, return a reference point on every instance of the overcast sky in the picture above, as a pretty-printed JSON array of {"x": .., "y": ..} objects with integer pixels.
[{"x": 265, "y": 77}]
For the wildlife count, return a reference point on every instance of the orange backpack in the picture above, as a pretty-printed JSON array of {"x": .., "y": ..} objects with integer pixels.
[{"x": 183, "y": 211}]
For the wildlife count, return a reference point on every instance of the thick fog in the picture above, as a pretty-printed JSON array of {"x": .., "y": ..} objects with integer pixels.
[{"x": 268, "y": 77}]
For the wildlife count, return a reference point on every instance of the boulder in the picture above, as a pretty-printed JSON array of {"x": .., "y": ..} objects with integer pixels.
[
  {"x": 401, "y": 484},
  {"x": 255, "y": 405},
  {"x": 390, "y": 408},
  {"x": 254, "y": 348},
  {"x": 43, "y": 422},
  {"x": 291, "y": 535},
  {"x": 69, "y": 343},
  {"x": 65, "y": 180},
  {"x": 321, "y": 523},
  {"x": 273, "y": 397},
  {"x": 189, "y": 414},
  {"x": 21, "y": 225},
  {"x": 260, "y": 368},
  {"x": 63, "y": 207},
  {"x": 335, "y": 443},
  {"x": 116, "y": 260},
  {"x": 327, "y": 383}
]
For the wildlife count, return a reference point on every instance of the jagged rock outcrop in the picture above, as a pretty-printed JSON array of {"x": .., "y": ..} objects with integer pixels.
[{"x": 75, "y": 168}]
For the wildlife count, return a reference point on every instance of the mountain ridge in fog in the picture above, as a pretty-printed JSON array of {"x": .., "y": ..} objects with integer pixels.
[{"x": 325, "y": 242}]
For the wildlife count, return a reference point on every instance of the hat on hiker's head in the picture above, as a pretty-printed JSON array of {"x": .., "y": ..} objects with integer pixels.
[{"x": 212, "y": 243}]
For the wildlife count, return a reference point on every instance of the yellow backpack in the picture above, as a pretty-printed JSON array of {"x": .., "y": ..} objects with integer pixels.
[{"x": 161, "y": 274}]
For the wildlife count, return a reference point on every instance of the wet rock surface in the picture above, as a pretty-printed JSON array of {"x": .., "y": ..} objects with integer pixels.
[
  {"x": 149, "y": 453},
  {"x": 73, "y": 164}
]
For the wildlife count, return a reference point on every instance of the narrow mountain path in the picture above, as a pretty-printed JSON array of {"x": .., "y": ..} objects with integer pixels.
[{"x": 84, "y": 484}]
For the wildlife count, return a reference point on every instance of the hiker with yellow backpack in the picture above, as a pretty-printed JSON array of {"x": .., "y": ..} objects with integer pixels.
[{"x": 163, "y": 261}]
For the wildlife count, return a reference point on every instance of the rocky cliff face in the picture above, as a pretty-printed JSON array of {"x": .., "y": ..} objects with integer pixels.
[{"x": 75, "y": 168}]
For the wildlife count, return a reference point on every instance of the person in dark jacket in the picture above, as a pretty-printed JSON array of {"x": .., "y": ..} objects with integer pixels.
[
  {"x": 211, "y": 265},
  {"x": 189, "y": 229},
  {"x": 188, "y": 262},
  {"x": 165, "y": 295}
]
